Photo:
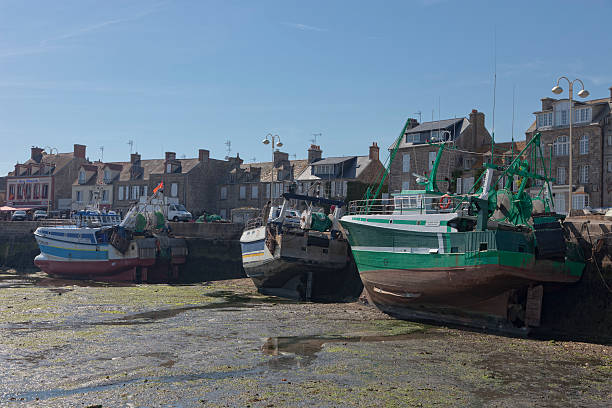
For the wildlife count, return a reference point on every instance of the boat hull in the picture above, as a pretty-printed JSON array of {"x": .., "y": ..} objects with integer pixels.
[
  {"x": 300, "y": 267},
  {"x": 418, "y": 274},
  {"x": 111, "y": 270}
]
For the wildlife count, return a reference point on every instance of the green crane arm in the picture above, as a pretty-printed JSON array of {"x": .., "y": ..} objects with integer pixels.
[{"x": 387, "y": 170}]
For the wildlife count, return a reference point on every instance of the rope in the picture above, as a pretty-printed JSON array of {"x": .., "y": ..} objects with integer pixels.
[{"x": 594, "y": 259}]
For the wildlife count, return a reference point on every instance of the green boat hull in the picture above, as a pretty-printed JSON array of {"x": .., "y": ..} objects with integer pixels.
[{"x": 406, "y": 272}]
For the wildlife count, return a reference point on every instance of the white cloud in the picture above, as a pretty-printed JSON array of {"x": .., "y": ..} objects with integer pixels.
[{"x": 305, "y": 27}]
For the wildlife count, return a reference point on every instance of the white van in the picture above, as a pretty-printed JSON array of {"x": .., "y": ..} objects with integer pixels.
[{"x": 178, "y": 212}]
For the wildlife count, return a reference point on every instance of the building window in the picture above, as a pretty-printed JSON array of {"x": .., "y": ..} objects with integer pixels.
[
  {"x": 405, "y": 185},
  {"x": 545, "y": 120},
  {"x": 79, "y": 196},
  {"x": 145, "y": 191},
  {"x": 82, "y": 176},
  {"x": 278, "y": 190},
  {"x": 135, "y": 192},
  {"x": 45, "y": 191},
  {"x": 432, "y": 159},
  {"x": 580, "y": 201},
  {"x": 267, "y": 190},
  {"x": 564, "y": 118},
  {"x": 120, "y": 194},
  {"x": 174, "y": 190},
  {"x": 223, "y": 213},
  {"x": 406, "y": 162},
  {"x": 413, "y": 138},
  {"x": 255, "y": 191},
  {"x": 609, "y": 166},
  {"x": 582, "y": 115},
  {"x": 107, "y": 176},
  {"x": 224, "y": 193},
  {"x": 561, "y": 175},
  {"x": 105, "y": 196},
  {"x": 561, "y": 146},
  {"x": 467, "y": 163},
  {"x": 242, "y": 192},
  {"x": 11, "y": 192},
  {"x": 584, "y": 144},
  {"x": 169, "y": 168},
  {"x": 325, "y": 169},
  {"x": 584, "y": 174},
  {"x": 91, "y": 195}
]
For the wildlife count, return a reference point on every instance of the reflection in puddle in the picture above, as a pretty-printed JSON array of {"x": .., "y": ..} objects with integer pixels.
[{"x": 301, "y": 350}]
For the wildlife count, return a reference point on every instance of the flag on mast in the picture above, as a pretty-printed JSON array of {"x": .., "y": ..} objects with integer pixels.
[{"x": 159, "y": 187}]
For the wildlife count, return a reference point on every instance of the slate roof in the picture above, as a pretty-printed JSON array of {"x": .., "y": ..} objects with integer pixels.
[
  {"x": 59, "y": 160},
  {"x": 268, "y": 174},
  {"x": 361, "y": 163},
  {"x": 435, "y": 125}
]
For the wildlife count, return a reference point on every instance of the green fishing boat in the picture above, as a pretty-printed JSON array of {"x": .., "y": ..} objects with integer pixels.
[{"x": 484, "y": 258}]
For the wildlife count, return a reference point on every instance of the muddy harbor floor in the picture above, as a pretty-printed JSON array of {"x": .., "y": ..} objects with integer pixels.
[{"x": 67, "y": 343}]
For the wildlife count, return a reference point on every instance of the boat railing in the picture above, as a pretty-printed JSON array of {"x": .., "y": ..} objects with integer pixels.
[
  {"x": 254, "y": 223},
  {"x": 55, "y": 222},
  {"x": 408, "y": 204}
]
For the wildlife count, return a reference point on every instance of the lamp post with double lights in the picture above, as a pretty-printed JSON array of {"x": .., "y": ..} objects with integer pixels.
[
  {"x": 583, "y": 93},
  {"x": 275, "y": 140}
]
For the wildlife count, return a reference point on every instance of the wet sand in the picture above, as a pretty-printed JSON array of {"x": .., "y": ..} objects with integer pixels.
[{"x": 68, "y": 343}]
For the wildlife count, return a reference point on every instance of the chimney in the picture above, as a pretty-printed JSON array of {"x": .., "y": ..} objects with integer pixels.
[
  {"x": 79, "y": 151},
  {"x": 203, "y": 155},
  {"x": 36, "y": 154},
  {"x": 280, "y": 157},
  {"x": 610, "y": 94},
  {"x": 314, "y": 153},
  {"x": 170, "y": 156},
  {"x": 134, "y": 158},
  {"x": 477, "y": 121},
  {"x": 547, "y": 103},
  {"x": 412, "y": 123},
  {"x": 374, "y": 151}
]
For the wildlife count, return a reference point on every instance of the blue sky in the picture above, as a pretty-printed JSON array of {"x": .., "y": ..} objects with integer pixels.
[{"x": 182, "y": 75}]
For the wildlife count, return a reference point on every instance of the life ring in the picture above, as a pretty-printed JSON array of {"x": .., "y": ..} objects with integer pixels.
[{"x": 445, "y": 202}]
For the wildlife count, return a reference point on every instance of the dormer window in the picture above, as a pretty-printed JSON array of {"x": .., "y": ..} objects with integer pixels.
[
  {"x": 324, "y": 169},
  {"x": 169, "y": 168},
  {"x": 107, "y": 176},
  {"x": 582, "y": 115},
  {"x": 545, "y": 120},
  {"x": 82, "y": 176}
]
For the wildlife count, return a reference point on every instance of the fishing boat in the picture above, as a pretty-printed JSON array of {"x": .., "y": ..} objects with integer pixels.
[
  {"x": 104, "y": 247},
  {"x": 484, "y": 258},
  {"x": 300, "y": 254}
]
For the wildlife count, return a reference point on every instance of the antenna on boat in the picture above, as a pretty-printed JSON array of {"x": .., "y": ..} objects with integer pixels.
[
  {"x": 494, "y": 88},
  {"x": 513, "y": 107}
]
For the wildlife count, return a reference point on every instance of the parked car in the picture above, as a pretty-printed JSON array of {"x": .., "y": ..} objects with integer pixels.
[
  {"x": 40, "y": 215},
  {"x": 19, "y": 215}
]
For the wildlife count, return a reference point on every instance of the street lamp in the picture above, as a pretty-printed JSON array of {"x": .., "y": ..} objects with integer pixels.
[
  {"x": 583, "y": 93},
  {"x": 275, "y": 139}
]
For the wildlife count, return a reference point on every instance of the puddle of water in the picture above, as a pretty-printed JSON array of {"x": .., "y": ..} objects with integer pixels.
[{"x": 302, "y": 350}]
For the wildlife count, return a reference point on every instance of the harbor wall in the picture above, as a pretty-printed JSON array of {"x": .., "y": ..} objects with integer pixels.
[{"x": 583, "y": 311}]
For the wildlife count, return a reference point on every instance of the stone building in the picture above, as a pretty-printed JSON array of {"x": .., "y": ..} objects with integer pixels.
[
  {"x": 591, "y": 150},
  {"x": 192, "y": 182},
  {"x": 340, "y": 178},
  {"x": 94, "y": 185},
  {"x": 253, "y": 185},
  {"x": 45, "y": 180},
  {"x": 458, "y": 167}
]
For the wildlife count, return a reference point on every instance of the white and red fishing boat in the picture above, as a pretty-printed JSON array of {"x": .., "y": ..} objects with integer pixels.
[{"x": 97, "y": 248}]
